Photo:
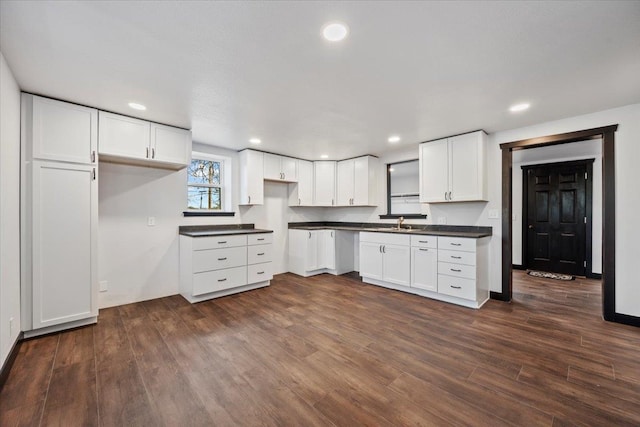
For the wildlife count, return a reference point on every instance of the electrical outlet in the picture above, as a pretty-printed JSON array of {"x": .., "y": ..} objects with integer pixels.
[
  {"x": 151, "y": 221},
  {"x": 104, "y": 285},
  {"x": 10, "y": 326},
  {"x": 442, "y": 220},
  {"x": 494, "y": 214},
  {"x": 515, "y": 217}
]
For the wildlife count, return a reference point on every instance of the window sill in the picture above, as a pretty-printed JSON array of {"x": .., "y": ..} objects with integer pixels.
[
  {"x": 406, "y": 216},
  {"x": 208, "y": 213}
]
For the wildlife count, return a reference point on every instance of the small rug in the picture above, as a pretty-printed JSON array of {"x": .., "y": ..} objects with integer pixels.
[{"x": 546, "y": 275}]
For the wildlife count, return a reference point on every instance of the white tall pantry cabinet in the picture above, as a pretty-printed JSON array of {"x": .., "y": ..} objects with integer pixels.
[{"x": 59, "y": 215}]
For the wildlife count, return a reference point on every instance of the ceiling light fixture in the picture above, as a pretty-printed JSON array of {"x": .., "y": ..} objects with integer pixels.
[
  {"x": 324, "y": 156},
  {"x": 335, "y": 31},
  {"x": 519, "y": 107},
  {"x": 137, "y": 106},
  {"x": 255, "y": 141},
  {"x": 394, "y": 139},
  {"x": 392, "y": 170}
]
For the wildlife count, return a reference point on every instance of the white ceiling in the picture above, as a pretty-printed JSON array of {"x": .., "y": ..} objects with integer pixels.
[{"x": 235, "y": 70}]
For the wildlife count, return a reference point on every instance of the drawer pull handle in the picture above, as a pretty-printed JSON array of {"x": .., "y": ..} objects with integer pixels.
[
  {"x": 423, "y": 241},
  {"x": 260, "y": 254},
  {"x": 222, "y": 280},
  {"x": 456, "y": 287},
  {"x": 456, "y": 244},
  {"x": 260, "y": 239},
  {"x": 260, "y": 272},
  {"x": 456, "y": 257},
  {"x": 222, "y": 259},
  {"x": 222, "y": 243},
  {"x": 424, "y": 249},
  {"x": 457, "y": 271}
]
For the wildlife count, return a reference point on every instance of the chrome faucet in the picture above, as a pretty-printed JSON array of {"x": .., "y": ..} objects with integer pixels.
[{"x": 400, "y": 221}]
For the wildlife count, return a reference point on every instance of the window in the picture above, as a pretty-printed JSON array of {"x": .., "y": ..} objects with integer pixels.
[
  {"x": 208, "y": 179},
  {"x": 403, "y": 190}
]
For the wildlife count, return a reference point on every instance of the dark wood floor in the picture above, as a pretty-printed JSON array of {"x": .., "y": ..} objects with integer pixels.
[{"x": 334, "y": 351}]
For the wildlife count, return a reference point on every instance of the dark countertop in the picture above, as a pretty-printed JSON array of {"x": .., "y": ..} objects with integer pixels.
[
  {"x": 219, "y": 230},
  {"x": 430, "y": 230}
]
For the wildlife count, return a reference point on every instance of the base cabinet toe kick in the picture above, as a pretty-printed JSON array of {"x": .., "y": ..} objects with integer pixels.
[
  {"x": 449, "y": 269},
  {"x": 216, "y": 266}
]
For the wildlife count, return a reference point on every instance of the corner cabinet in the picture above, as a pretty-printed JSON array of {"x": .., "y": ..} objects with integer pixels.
[
  {"x": 324, "y": 179},
  {"x": 453, "y": 169},
  {"x": 251, "y": 177},
  {"x": 356, "y": 181},
  {"x": 127, "y": 140},
  {"x": 314, "y": 252},
  {"x": 59, "y": 205}
]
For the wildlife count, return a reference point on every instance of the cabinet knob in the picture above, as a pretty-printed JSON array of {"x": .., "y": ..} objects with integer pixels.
[{"x": 530, "y": 227}]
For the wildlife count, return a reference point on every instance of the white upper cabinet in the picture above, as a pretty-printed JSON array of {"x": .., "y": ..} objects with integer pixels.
[
  {"x": 453, "y": 169},
  {"x": 356, "y": 182},
  {"x": 280, "y": 168},
  {"x": 60, "y": 131},
  {"x": 324, "y": 183},
  {"x": 251, "y": 177},
  {"x": 170, "y": 145},
  {"x": 127, "y": 140},
  {"x": 301, "y": 193}
]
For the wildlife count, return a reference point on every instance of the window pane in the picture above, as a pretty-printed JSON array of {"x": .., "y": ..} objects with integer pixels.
[
  {"x": 204, "y": 198},
  {"x": 404, "y": 178},
  {"x": 203, "y": 172}
]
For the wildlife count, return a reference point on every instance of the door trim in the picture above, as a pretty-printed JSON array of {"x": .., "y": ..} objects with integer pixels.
[
  {"x": 588, "y": 255},
  {"x": 607, "y": 133}
]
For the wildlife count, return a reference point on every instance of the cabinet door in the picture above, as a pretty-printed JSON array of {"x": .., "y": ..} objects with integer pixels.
[
  {"x": 434, "y": 171},
  {"x": 396, "y": 262},
  {"x": 63, "y": 131},
  {"x": 251, "y": 177},
  {"x": 123, "y": 137},
  {"x": 170, "y": 145},
  {"x": 289, "y": 168},
  {"x": 324, "y": 183},
  {"x": 465, "y": 174},
  {"x": 272, "y": 170},
  {"x": 64, "y": 229},
  {"x": 361, "y": 182},
  {"x": 344, "y": 180},
  {"x": 424, "y": 269},
  {"x": 371, "y": 260},
  {"x": 327, "y": 249},
  {"x": 312, "y": 257},
  {"x": 301, "y": 194}
]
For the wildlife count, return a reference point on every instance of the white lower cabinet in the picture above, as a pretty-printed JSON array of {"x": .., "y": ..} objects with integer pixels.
[
  {"x": 450, "y": 269},
  {"x": 216, "y": 266},
  {"x": 314, "y": 252},
  {"x": 386, "y": 257}
]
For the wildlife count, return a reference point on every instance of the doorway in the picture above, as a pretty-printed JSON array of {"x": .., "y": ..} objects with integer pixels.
[{"x": 556, "y": 213}]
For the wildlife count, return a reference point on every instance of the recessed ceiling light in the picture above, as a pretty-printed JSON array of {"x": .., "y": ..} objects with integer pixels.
[
  {"x": 255, "y": 141},
  {"x": 519, "y": 107},
  {"x": 324, "y": 156},
  {"x": 393, "y": 139},
  {"x": 335, "y": 31},
  {"x": 137, "y": 106},
  {"x": 391, "y": 170}
]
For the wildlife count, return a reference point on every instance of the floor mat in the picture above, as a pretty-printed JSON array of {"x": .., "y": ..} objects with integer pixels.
[{"x": 546, "y": 275}]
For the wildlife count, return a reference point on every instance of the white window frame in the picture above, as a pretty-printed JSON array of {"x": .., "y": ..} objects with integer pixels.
[{"x": 225, "y": 181}]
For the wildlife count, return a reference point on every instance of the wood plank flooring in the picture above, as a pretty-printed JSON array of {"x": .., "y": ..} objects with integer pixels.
[{"x": 333, "y": 351}]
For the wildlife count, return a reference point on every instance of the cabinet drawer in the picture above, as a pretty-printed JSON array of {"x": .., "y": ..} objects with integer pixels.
[
  {"x": 385, "y": 238},
  {"x": 216, "y": 259},
  {"x": 424, "y": 241},
  {"x": 457, "y": 257},
  {"x": 458, "y": 270},
  {"x": 259, "y": 239},
  {"x": 218, "y": 280},
  {"x": 217, "y": 242},
  {"x": 259, "y": 272},
  {"x": 457, "y": 287},
  {"x": 457, "y": 244},
  {"x": 259, "y": 253}
]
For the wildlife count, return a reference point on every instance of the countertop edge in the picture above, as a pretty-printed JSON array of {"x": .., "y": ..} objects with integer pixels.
[{"x": 232, "y": 232}]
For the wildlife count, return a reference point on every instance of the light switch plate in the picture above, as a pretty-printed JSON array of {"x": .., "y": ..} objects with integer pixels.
[
  {"x": 442, "y": 220},
  {"x": 104, "y": 285},
  {"x": 151, "y": 221},
  {"x": 494, "y": 214}
]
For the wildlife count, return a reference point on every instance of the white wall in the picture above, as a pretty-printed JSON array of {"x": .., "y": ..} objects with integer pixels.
[
  {"x": 140, "y": 262},
  {"x": 9, "y": 209},
  {"x": 591, "y": 149}
]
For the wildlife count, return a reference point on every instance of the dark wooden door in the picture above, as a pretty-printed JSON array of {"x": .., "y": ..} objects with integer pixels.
[{"x": 556, "y": 218}]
